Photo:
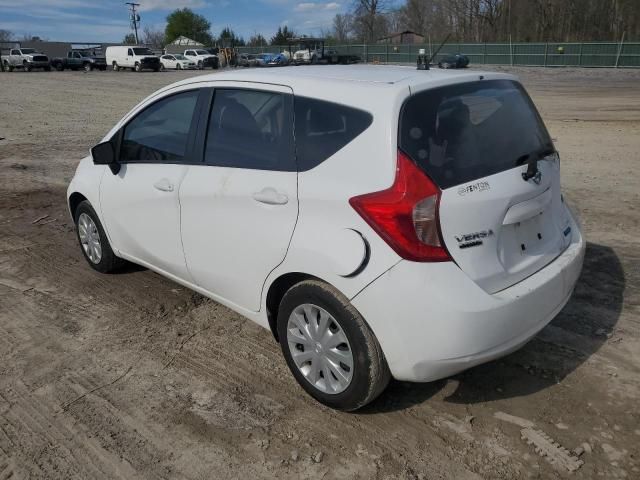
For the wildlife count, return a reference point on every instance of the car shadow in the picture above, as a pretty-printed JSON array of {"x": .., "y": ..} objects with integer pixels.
[{"x": 579, "y": 330}]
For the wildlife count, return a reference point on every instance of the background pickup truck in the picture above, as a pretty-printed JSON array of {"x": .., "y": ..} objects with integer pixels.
[
  {"x": 26, "y": 58},
  {"x": 202, "y": 58},
  {"x": 76, "y": 60}
]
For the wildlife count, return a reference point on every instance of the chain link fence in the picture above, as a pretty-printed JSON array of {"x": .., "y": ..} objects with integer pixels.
[{"x": 551, "y": 54}]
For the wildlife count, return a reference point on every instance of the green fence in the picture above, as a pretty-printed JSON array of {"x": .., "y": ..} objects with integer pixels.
[{"x": 592, "y": 54}]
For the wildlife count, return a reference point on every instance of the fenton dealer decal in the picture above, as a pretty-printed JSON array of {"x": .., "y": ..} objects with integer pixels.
[{"x": 474, "y": 187}]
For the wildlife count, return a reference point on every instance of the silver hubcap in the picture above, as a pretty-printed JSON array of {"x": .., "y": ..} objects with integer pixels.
[
  {"x": 320, "y": 349},
  {"x": 89, "y": 238}
]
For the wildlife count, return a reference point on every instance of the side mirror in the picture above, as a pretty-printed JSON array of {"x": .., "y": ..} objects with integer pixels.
[{"x": 104, "y": 154}]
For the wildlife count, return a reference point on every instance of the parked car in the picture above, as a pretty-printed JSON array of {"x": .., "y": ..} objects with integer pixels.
[
  {"x": 177, "y": 62},
  {"x": 278, "y": 60},
  {"x": 443, "y": 242},
  {"x": 25, "y": 58},
  {"x": 136, "y": 58},
  {"x": 247, "y": 60},
  {"x": 202, "y": 58},
  {"x": 263, "y": 59},
  {"x": 77, "y": 59},
  {"x": 454, "y": 61}
]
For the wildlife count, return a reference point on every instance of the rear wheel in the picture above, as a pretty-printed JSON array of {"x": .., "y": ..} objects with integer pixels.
[
  {"x": 93, "y": 240},
  {"x": 137, "y": 67},
  {"x": 200, "y": 66},
  {"x": 59, "y": 67},
  {"x": 115, "y": 66},
  {"x": 87, "y": 67},
  {"x": 26, "y": 66},
  {"x": 329, "y": 348}
]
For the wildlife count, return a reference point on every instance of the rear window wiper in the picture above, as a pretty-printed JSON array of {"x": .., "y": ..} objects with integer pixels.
[{"x": 531, "y": 159}]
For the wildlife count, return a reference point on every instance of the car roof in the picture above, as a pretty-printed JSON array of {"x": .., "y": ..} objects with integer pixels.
[{"x": 344, "y": 74}]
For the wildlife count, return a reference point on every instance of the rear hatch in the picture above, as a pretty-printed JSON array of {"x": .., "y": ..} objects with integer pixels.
[{"x": 475, "y": 140}]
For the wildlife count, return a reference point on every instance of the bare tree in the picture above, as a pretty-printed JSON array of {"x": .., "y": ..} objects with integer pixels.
[
  {"x": 5, "y": 35},
  {"x": 342, "y": 27},
  {"x": 367, "y": 15},
  {"x": 153, "y": 38}
]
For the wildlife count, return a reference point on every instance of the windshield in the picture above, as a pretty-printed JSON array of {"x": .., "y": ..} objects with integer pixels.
[
  {"x": 472, "y": 130},
  {"x": 180, "y": 57},
  {"x": 142, "y": 51},
  {"x": 27, "y": 51},
  {"x": 202, "y": 52}
]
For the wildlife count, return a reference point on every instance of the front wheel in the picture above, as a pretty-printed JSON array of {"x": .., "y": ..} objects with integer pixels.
[
  {"x": 137, "y": 68},
  {"x": 26, "y": 66},
  {"x": 200, "y": 66},
  {"x": 93, "y": 240},
  {"x": 87, "y": 67},
  {"x": 59, "y": 67},
  {"x": 329, "y": 348},
  {"x": 178, "y": 67},
  {"x": 115, "y": 67}
]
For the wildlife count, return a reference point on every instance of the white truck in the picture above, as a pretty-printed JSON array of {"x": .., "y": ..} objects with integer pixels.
[
  {"x": 202, "y": 58},
  {"x": 25, "y": 58}
]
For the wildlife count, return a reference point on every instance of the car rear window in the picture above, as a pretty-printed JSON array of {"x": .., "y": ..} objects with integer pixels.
[
  {"x": 463, "y": 132},
  {"x": 322, "y": 128}
]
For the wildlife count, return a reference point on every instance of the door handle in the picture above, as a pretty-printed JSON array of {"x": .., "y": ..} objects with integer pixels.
[
  {"x": 164, "y": 185},
  {"x": 270, "y": 196}
]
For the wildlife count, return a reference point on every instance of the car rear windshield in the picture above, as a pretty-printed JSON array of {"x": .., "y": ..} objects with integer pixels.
[{"x": 472, "y": 130}]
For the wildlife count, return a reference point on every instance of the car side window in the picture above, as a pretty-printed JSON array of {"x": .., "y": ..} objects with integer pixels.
[
  {"x": 323, "y": 128},
  {"x": 250, "y": 129},
  {"x": 14, "y": 52},
  {"x": 130, "y": 52},
  {"x": 160, "y": 132}
]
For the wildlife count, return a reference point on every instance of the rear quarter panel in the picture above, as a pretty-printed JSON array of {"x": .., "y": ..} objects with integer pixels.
[{"x": 366, "y": 164}]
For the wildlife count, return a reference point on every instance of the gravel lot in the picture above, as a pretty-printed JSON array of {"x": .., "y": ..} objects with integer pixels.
[{"x": 132, "y": 376}]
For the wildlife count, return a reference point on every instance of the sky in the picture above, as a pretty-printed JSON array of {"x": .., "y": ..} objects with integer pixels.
[{"x": 87, "y": 21}]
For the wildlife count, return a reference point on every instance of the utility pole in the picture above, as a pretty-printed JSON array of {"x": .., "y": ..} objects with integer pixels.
[{"x": 135, "y": 18}]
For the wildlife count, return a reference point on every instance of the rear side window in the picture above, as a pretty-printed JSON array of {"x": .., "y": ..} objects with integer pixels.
[
  {"x": 250, "y": 129},
  {"x": 323, "y": 128},
  {"x": 160, "y": 132},
  {"x": 460, "y": 133}
]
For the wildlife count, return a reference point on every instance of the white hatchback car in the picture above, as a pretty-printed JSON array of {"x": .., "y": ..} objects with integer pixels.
[{"x": 380, "y": 221}]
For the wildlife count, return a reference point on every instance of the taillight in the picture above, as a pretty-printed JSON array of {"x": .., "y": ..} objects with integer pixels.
[{"x": 406, "y": 214}]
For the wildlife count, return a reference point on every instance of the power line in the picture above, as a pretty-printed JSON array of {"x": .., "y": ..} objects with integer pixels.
[{"x": 135, "y": 18}]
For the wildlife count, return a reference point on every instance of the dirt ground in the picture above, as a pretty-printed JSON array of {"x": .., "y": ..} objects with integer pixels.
[{"x": 132, "y": 376}]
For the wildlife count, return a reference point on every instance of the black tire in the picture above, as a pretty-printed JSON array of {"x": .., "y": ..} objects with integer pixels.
[
  {"x": 108, "y": 262},
  {"x": 59, "y": 67},
  {"x": 200, "y": 65},
  {"x": 87, "y": 67},
  {"x": 370, "y": 370},
  {"x": 26, "y": 66},
  {"x": 115, "y": 66},
  {"x": 137, "y": 67},
  {"x": 178, "y": 66}
]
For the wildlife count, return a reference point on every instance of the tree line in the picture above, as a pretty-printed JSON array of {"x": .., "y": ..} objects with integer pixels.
[{"x": 491, "y": 20}]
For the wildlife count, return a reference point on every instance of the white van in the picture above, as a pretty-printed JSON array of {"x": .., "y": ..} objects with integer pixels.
[{"x": 135, "y": 58}]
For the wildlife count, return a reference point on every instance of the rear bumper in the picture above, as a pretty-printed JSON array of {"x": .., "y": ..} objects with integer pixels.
[{"x": 433, "y": 321}]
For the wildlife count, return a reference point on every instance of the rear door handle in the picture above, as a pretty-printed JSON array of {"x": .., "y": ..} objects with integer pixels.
[
  {"x": 270, "y": 196},
  {"x": 164, "y": 185}
]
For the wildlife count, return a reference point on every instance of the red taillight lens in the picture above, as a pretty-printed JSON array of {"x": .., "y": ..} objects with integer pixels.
[{"x": 406, "y": 214}]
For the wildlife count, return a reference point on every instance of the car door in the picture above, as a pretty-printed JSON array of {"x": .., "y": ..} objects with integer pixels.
[
  {"x": 239, "y": 208},
  {"x": 140, "y": 203},
  {"x": 129, "y": 60}
]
